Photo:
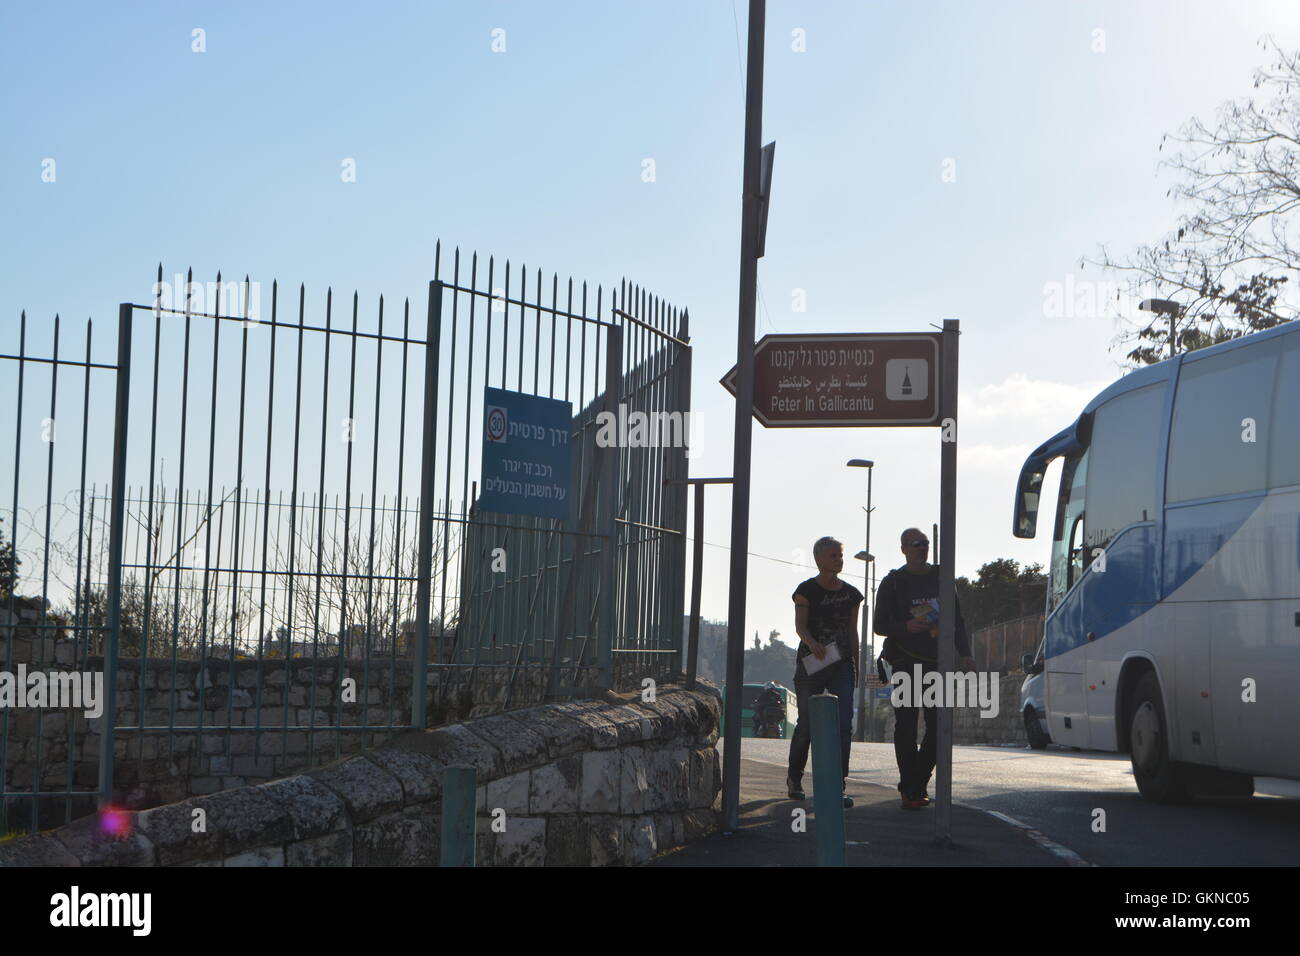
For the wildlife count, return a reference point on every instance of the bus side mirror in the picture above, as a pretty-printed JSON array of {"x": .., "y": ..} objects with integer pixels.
[{"x": 1029, "y": 487}]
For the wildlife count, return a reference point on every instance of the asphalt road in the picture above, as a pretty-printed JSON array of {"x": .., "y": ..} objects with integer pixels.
[{"x": 1058, "y": 791}]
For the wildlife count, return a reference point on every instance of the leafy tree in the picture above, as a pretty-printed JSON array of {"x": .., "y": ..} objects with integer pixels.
[
  {"x": 773, "y": 661},
  {"x": 1002, "y": 591},
  {"x": 9, "y": 563},
  {"x": 763, "y": 662},
  {"x": 1228, "y": 258}
]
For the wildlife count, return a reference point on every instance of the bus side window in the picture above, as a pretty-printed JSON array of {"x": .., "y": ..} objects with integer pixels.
[
  {"x": 1067, "y": 538},
  {"x": 1076, "y": 556}
]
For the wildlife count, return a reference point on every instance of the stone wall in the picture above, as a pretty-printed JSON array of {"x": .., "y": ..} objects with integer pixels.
[
  {"x": 152, "y": 768},
  {"x": 1008, "y": 727},
  {"x": 969, "y": 727},
  {"x": 581, "y": 784}
]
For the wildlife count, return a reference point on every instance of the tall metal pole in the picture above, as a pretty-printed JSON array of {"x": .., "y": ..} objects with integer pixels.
[
  {"x": 947, "y": 584},
  {"x": 863, "y": 650},
  {"x": 866, "y": 626},
  {"x": 744, "y": 417},
  {"x": 863, "y": 656},
  {"x": 872, "y": 654},
  {"x": 112, "y": 638},
  {"x": 608, "y": 507},
  {"x": 424, "y": 558}
]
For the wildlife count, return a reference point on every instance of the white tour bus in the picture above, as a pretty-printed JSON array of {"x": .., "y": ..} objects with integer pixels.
[{"x": 1173, "y": 609}]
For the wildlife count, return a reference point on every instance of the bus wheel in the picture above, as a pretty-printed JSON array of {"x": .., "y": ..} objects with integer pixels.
[
  {"x": 1037, "y": 739},
  {"x": 1158, "y": 778}
]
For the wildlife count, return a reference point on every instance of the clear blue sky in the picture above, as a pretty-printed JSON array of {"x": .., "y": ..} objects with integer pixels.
[{"x": 230, "y": 159}]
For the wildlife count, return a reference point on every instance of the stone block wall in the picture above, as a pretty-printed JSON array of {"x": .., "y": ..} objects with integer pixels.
[
  {"x": 270, "y": 705},
  {"x": 1008, "y": 727},
  {"x": 968, "y": 726},
  {"x": 583, "y": 783}
]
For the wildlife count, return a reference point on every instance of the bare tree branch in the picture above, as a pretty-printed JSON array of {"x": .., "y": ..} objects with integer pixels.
[{"x": 1232, "y": 256}]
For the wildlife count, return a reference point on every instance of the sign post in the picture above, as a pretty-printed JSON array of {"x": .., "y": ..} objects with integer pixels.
[
  {"x": 753, "y": 200},
  {"x": 845, "y": 380},
  {"x": 947, "y": 584}
]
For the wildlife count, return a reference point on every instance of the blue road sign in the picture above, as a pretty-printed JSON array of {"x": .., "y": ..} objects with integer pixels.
[
  {"x": 526, "y": 462},
  {"x": 882, "y": 693}
]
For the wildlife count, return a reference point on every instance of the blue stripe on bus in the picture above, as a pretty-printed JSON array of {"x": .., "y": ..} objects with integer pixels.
[
  {"x": 1114, "y": 597},
  {"x": 1196, "y": 533}
]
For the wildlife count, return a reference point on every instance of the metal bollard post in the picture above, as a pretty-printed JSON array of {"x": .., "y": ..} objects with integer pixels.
[
  {"x": 828, "y": 780},
  {"x": 458, "y": 785}
]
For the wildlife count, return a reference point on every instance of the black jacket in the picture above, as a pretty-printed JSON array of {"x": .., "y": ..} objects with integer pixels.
[{"x": 898, "y": 593}]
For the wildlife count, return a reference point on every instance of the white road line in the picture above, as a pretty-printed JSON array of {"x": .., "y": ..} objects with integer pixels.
[
  {"x": 1071, "y": 858},
  {"x": 1064, "y": 852}
]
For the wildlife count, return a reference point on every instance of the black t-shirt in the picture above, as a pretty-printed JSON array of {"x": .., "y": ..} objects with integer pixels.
[
  {"x": 904, "y": 595},
  {"x": 831, "y": 615}
]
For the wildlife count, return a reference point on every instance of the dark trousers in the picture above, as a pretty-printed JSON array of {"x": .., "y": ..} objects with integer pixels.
[
  {"x": 838, "y": 679},
  {"x": 914, "y": 764}
]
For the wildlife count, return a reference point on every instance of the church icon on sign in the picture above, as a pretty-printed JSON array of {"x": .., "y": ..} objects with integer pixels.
[{"x": 907, "y": 380}]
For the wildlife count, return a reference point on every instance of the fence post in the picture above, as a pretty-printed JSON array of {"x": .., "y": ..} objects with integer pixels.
[
  {"x": 116, "y": 529},
  {"x": 458, "y": 786},
  {"x": 697, "y": 576},
  {"x": 428, "y": 460},
  {"x": 609, "y": 508},
  {"x": 678, "y": 605},
  {"x": 828, "y": 780}
]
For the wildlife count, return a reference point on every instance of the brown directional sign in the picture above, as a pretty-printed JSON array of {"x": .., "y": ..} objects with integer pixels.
[{"x": 810, "y": 381}]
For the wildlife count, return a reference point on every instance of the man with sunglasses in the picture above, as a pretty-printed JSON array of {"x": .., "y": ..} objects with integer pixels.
[{"x": 906, "y": 616}]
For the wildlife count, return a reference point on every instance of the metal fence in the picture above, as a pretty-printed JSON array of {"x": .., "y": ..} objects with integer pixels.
[
  {"x": 41, "y": 736},
  {"x": 274, "y": 496},
  {"x": 595, "y": 601},
  {"x": 1001, "y": 646}
]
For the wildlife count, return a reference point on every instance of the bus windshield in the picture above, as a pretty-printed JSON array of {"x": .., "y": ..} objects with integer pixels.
[{"x": 1068, "y": 534}]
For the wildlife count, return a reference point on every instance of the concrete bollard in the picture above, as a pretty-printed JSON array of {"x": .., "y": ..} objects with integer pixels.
[
  {"x": 828, "y": 780},
  {"x": 458, "y": 786}
]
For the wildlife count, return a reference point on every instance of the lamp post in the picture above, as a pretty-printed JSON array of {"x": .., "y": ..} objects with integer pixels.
[
  {"x": 863, "y": 652},
  {"x": 868, "y": 649},
  {"x": 1163, "y": 307}
]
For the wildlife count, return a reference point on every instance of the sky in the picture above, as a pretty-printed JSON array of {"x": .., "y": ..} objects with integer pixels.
[{"x": 933, "y": 161}]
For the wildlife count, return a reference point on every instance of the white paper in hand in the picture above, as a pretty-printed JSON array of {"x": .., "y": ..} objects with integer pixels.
[{"x": 811, "y": 665}]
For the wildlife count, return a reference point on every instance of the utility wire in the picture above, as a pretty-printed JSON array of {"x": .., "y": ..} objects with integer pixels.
[{"x": 752, "y": 554}]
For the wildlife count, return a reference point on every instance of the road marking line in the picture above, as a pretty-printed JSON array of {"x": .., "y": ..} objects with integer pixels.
[{"x": 1069, "y": 856}]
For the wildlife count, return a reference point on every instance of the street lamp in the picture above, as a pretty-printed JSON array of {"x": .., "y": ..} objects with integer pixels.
[
  {"x": 1163, "y": 307},
  {"x": 868, "y": 651},
  {"x": 865, "y": 556}
]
